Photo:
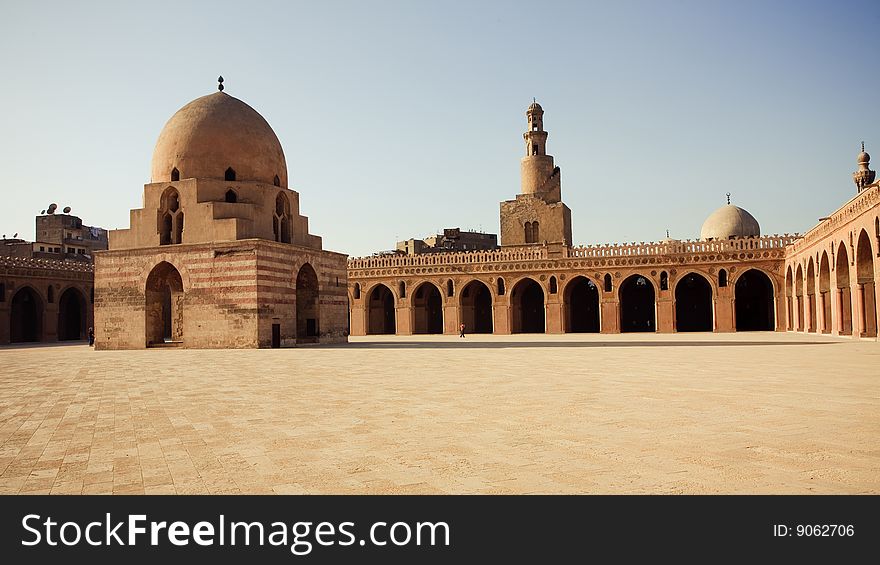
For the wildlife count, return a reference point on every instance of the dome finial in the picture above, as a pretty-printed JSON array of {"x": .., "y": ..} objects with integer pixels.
[
  {"x": 728, "y": 198},
  {"x": 667, "y": 234},
  {"x": 863, "y": 146},
  {"x": 220, "y": 83}
]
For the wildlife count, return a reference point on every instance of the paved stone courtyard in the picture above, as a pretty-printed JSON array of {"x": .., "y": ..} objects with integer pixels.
[{"x": 702, "y": 413}]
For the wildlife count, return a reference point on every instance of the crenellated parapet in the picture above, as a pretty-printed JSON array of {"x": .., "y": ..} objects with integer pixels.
[{"x": 866, "y": 199}]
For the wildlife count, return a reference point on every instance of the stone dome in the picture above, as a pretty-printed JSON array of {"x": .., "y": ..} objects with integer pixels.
[
  {"x": 535, "y": 107},
  {"x": 730, "y": 221},
  {"x": 863, "y": 158},
  {"x": 214, "y": 133}
]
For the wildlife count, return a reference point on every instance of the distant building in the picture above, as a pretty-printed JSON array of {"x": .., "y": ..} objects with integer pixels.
[
  {"x": 452, "y": 239},
  {"x": 47, "y": 286}
]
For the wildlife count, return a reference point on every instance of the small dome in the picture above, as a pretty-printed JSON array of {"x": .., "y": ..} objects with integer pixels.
[
  {"x": 730, "y": 221},
  {"x": 863, "y": 158},
  {"x": 535, "y": 107},
  {"x": 214, "y": 133}
]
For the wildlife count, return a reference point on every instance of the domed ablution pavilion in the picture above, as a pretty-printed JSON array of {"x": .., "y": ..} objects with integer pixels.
[
  {"x": 731, "y": 279},
  {"x": 219, "y": 256}
]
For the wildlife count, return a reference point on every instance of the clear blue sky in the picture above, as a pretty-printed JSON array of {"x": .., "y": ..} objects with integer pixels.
[{"x": 400, "y": 118}]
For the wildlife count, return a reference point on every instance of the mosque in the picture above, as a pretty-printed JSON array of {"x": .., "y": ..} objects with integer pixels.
[
  {"x": 219, "y": 256},
  {"x": 732, "y": 279}
]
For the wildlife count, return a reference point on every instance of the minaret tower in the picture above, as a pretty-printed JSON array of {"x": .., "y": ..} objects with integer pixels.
[
  {"x": 538, "y": 216},
  {"x": 864, "y": 176},
  {"x": 539, "y": 176}
]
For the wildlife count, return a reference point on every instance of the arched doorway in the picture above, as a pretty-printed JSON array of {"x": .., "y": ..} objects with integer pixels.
[
  {"x": 799, "y": 295},
  {"x": 164, "y": 305},
  {"x": 26, "y": 316},
  {"x": 754, "y": 302},
  {"x": 581, "y": 299},
  {"x": 307, "y": 313},
  {"x": 637, "y": 310},
  {"x": 844, "y": 296},
  {"x": 476, "y": 308},
  {"x": 824, "y": 293},
  {"x": 693, "y": 304},
  {"x": 865, "y": 274},
  {"x": 527, "y": 302},
  {"x": 811, "y": 296},
  {"x": 380, "y": 311},
  {"x": 71, "y": 315},
  {"x": 427, "y": 310},
  {"x": 789, "y": 294}
]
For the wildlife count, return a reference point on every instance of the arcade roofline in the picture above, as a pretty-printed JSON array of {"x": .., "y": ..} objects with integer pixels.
[
  {"x": 539, "y": 252},
  {"x": 862, "y": 201}
]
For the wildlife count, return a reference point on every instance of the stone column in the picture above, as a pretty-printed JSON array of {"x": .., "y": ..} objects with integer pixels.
[
  {"x": 502, "y": 316},
  {"x": 665, "y": 314},
  {"x": 724, "y": 322},
  {"x": 451, "y": 316},
  {"x": 610, "y": 314},
  {"x": 554, "y": 313},
  {"x": 404, "y": 315},
  {"x": 358, "y": 317}
]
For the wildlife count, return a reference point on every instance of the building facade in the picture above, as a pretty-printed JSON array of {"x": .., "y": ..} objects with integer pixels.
[
  {"x": 219, "y": 256},
  {"x": 44, "y": 300},
  {"x": 731, "y": 279},
  {"x": 46, "y": 286}
]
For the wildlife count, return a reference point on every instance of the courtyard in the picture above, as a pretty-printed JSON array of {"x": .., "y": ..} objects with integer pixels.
[{"x": 599, "y": 414}]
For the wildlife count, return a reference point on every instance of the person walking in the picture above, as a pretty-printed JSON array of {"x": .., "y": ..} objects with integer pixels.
[
  {"x": 91, "y": 337},
  {"x": 461, "y": 330}
]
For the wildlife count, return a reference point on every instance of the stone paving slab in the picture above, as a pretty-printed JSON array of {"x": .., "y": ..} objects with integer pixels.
[{"x": 632, "y": 413}]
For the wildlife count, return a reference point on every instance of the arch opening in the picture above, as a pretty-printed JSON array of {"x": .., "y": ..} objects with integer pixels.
[
  {"x": 799, "y": 298},
  {"x": 637, "y": 305},
  {"x": 789, "y": 294},
  {"x": 307, "y": 312},
  {"x": 427, "y": 307},
  {"x": 71, "y": 315},
  {"x": 844, "y": 294},
  {"x": 527, "y": 301},
  {"x": 164, "y": 305},
  {"x": 581, "y": 300},
  {"x": 26, "y": 316},
  {"x": 380, "y": 311},
  {"x": 824, "y": 293},
  {"x": 693, "y": 304},
  {"x": 867, "y": 295},
  {"x": 231, "y": 197},
  {"x": 753, "y": 298},
  {"x": 810, "y": 315},
  {"x": 476, "y": 308}
]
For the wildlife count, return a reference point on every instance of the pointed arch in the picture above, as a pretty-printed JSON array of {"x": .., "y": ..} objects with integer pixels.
[
  {"x": 527, "y": 307},
  {"x": 175, "y": 175},
  {"x": 799, "y": 298},
  {"x": 427, "y": 309},
  {"x": 72, "y": 315},
  {"x": 164, "y": 305},
  {"x": 753, "y": 302},
  {"x": 231, "y": 196},
  {"x": 810, "y": 304},
  {"x": 693, "y": 304},
  {"x": 865, "y": 280},
  {"x": 307, "y": 305},
  {"x": 380, "y": 310},
  {"x": 581, "y": 300},
  {"x": 475, "y": 301},
  {"x": 637, "y": 304},
  {"x": 229, "y": 175},
  {"x": 844, "y": 293},
  {"x": 281, "y": 219},
  {"x": 26, "y": 316},
  {"x": 789, "y": 299},
  {"x": 825, "y": 292}
]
